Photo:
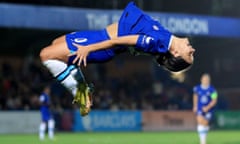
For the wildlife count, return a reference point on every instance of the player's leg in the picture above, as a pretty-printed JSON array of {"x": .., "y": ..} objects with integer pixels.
[
  {"x": 202, "y": 128},
  {"x": 84, "y": 92},
  {"x": 42, "y": 129},
  {"x": 51, "y": 126},
  {"x": 55, "y": 58}
]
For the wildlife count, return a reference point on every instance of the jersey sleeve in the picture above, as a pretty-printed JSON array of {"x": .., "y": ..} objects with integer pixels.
[
  {"x": 154, "y": 42},
  {"x": 214, "y": 94},
  {"x": 146, "y": 43},
  {"x": 195, "y": 89},
  {"x": 153, "y": 39}
]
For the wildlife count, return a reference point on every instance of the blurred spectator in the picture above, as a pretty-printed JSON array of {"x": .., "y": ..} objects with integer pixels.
[{"x": 21, "y": 84}]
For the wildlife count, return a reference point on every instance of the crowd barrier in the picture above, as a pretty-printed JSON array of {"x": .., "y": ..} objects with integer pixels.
[
  {"x": 28, "y": 121},
  {"x": 227, "y": 120},
  {"x": 168, "y": 120},
  {"x": 19, "y": 122},
  {"x": 134, "y": 121},
  {"x": 108, "y": 121}
]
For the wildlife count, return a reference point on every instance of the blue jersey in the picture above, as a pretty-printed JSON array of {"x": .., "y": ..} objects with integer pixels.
[
  {"x": 153, "y": 38},
  {"x": 45, "y": 103},
  {"x": 204, "y": 97}
]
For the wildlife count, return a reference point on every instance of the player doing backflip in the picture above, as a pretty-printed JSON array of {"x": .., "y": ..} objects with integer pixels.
[{"x": 135, "y": 29}]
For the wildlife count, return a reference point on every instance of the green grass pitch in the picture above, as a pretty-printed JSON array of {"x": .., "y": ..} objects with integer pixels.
[{"x": 214, "y": 137}]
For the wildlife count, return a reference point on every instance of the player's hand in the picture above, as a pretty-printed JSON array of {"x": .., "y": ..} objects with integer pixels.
[
  {"x": 81, "y": 54},
  {"x": 194, "y": 109},
  {"x": 205, "y": 109}
]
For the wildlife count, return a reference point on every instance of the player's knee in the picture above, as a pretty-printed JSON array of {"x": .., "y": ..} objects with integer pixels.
[
  {"x": 55, "y": 41},
  {"x": 47, "y": 53},
  {"x": 201, "y": 120},
  {"x": 44, "y": 55},
  {"x": 51, "y": 123},
  {"x": 42, "y": 126}
]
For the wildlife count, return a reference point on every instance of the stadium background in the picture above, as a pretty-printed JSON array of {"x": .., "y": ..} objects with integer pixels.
[{"x": 132, "y": 93}]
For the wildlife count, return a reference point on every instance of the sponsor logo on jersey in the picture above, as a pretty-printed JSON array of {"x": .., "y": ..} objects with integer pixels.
[
  {"x": 148, "y": 39},
  {"x": 80, "y": 40},
  {"x": 204, "y": 99},
  {"x": 155, "y": 27}
]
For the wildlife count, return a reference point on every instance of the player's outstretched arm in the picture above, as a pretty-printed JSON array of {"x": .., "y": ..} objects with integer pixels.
[
  {"x": 83, "y": 51},
  {"x": 195, "y": 100}
]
